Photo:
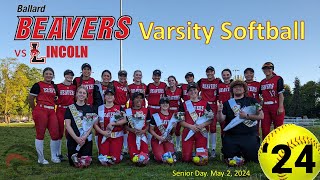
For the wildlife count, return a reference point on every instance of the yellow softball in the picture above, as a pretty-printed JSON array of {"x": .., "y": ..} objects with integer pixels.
[
  {"x": 290, "y": 152},
  {"x": 196, "y": 159}
]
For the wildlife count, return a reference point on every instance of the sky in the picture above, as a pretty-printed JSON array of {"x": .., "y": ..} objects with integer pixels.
[{"x": 291, "y": 58}]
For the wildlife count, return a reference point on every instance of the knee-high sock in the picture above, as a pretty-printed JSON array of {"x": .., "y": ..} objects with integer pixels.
[
  {"x": 96, "y": 142},
  {"x": 59, "y": 150},
  {"x": 213, "y": 138},
  {"x": 54, "y": 146},
  {"x": 39, "y": 148},
  {"x": 178, "y": 140}
]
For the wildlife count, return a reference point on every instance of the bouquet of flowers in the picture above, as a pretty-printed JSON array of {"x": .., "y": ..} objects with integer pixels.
[
  {"x": 116, "y": 117},
  {"x": 80, "y": 162},
  {"x": 201, "y": 157},
  {"x": 141, "y": 159},
  {"x": 169, "y": 158},
  {"x": 207, "y": 116},
  {"x": 88, "y": 120},
  {"x": 176, "y": 118},
  {"x": 253, "y": 109},
  {"x": 106, "y": 160},
  {"x": 235, "y": 161}
]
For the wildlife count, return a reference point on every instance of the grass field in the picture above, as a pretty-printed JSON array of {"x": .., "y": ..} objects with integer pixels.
[{"x": 18, "y": 139}]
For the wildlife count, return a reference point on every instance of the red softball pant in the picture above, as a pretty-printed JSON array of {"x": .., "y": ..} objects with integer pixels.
[
  {"x": 45, "y": 118},
  {"x": 133, "y": 146},
  {"x": 197, "y": 141},
  {"x": 111, "y": 147},
  {"x": 60, "y": 116},
  {"x": 270, "y": 116},
  {"x": 159, "y": 149}
]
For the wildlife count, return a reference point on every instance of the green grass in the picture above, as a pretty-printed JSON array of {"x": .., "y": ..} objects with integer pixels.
[{"x": 19, "y": 139}]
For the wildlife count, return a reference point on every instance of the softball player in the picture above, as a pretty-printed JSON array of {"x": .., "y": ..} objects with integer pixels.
[
  {"x": 208, "y": 88},
  {"x": 113, "y": 145},
  {"x": 271, "y": 88},
  {"x": 66, "y": 93},
  {"x": 174, "y": 94},
  {"x": 164, "y": 116},
  {"x": 197, "y": 140},
  {"x": 44, "y": 115}
]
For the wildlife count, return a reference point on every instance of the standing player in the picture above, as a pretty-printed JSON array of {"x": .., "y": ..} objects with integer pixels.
[
  {"x": 113, "y": 145},
  {"x": 174, "y": 94},
  {"x": 106, "y": 83},
  {"x": 190, "y": 79},
  {"x": 121, "y": 89},
  {"x": 224, "y": 91},
  {"x": 253, "y": 89},
  {"x": 155, "y": 91},
  {"x": 137, "y": 86},
  {"x": 209, "y": 87},
  {"x": 66, "y": 93},
  {"x": 44, "y": 115},
  {"x": 272, "y": 89},
  {"x": 197, "y": 140}
]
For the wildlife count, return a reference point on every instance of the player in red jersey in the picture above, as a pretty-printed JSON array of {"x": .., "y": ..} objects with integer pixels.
[
  {"x": 197, "y": 140},
  {"x": 224, "y": 90},
  {"x": 253, "y": 89},
  {"x": 174, "y": 94},
  {"x": 137, "y": 108},
  {"x": 155, "y": 91},
  {"x": 94, "y": 97},
  {"x": 208, "y": 88},
  {"x": 66, "y": 93},
  {"x": 106, "y": 83},
  {"x": 164, "y": 117},
  {"x": 44, "y": 115},
  {"x": 272, "y": 89},
  {"x": 121, "y": 89},
  {"x": 137, "y": 86},
  {"x": 113, "y": 145},
  {"x": 190, "y": 79}
]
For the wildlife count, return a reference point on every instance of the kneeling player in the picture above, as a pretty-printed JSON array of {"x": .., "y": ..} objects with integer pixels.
[
  {"x": 110, "y": 130},
  {"x": 199, "y": 138},
  {"x": 158, "y": 124},
  {"x": 241, "y": 140}
]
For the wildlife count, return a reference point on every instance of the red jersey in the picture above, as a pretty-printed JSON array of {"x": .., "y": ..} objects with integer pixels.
[
  {"x": 208, "y": 89},
  {"x": 155, "y": 93},
  {"x": 143, "y": 111},
  {"x": 89, "y": 85},
  {"x": 165, "y": 121},
  {"x": 174, "y": 97},
  {"x": 121, "y": 93},
  {"x": 45, "y": 93},
  {"x": 137, "y": 88},
  {"x": 108, "y": 113},
  {"x": 253, "y": 89},
  {"x": 199, "y": 106},
  {"x": 66, "y": 94},
  {"x": 223, "y": 92},
  {"x": 271, "y": 88},
  {"x": 185, "y": 95}
]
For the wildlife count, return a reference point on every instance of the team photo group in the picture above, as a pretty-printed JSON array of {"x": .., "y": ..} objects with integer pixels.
[{"x": 157, "y": 119}]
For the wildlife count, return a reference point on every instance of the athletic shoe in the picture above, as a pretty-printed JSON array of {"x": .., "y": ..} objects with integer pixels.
[
  {"x": 56, "y": 160},
  {"x": 213, "y": 154},
  {"x": 60, "y": 157},
  {"x": 44, "y": 162}
]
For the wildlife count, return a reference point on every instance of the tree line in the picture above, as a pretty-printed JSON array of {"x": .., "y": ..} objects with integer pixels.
[{"x": 16, "y": 79}]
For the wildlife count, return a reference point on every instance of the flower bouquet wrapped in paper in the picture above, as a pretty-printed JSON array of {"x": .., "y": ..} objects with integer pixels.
[
  {"x": 88, "y": 120},
  {"x": 116, "y": 117},
  {"x": 141, "y": 159},
  {"x": 176, "y": 118},
  {"x": 237, "y": 120},
  {"x": 169, "y": 158},
  {"x": 106, "y": 160},
  {"x": 207, "y": 116},
  {"x": 81, "y": 162},
  {"x": 137, "y": 121},
  {"x": 235, "y": 161}
]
